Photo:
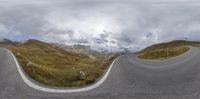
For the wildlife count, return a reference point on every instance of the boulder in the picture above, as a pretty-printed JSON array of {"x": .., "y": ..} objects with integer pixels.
[
  {"x": 82, "y": 75},
  {"x": 29, "y": 63}
]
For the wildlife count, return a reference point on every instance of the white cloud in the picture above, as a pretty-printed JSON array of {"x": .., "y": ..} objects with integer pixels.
[{"x": 102, "y": 24}]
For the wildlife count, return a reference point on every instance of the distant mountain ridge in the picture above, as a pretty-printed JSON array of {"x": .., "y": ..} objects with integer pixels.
[
  {"x": 84, "y": 49},
  {"x": 4, "y": 40}
]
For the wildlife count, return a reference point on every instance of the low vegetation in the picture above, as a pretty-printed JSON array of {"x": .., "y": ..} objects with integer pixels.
[
  {"x": 54, "y": 66},
  {"x": 167, "y": 50}
]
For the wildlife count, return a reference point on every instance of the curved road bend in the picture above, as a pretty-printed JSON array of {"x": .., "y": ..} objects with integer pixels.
[{"x": 129, "y": 78}]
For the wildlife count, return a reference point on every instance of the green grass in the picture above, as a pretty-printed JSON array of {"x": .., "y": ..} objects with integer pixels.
[
  {"x": 164, "y": 53},
  {"x": 167, "y": 50},
  {"x": 53, "y": 66}
]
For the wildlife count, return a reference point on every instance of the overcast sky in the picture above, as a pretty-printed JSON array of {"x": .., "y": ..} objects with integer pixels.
[{"x": 102, "y": 24}]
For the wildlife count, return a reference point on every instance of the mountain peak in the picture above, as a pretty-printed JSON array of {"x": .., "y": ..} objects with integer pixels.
[{"x": 6, "y": 40}]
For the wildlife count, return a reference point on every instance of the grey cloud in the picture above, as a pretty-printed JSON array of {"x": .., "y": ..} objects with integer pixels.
[
  {"x": 22, "y": 20},
  {"x": 103, "y": 24}
]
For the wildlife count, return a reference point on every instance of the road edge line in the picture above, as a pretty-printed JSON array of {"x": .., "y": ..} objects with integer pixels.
[{"x": 53, "y": 90}]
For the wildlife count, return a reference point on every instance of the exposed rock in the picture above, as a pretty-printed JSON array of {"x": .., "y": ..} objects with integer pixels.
[
  {"x": 82, "y": 75},
  {"x": 18, "y": 54},
  {"x": 29, "y": 63}
]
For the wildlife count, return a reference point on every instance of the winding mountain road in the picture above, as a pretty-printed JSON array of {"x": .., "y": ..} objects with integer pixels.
[{"x": 127, "y": 78}]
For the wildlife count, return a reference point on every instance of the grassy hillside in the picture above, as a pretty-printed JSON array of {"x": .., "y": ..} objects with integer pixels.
[
  {"x": 167, "y": 50},
  {"x": 51, "y": 65}
]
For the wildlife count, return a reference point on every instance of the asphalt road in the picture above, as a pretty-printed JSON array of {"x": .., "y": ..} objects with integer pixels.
[{"x": 129, "y": 78}]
